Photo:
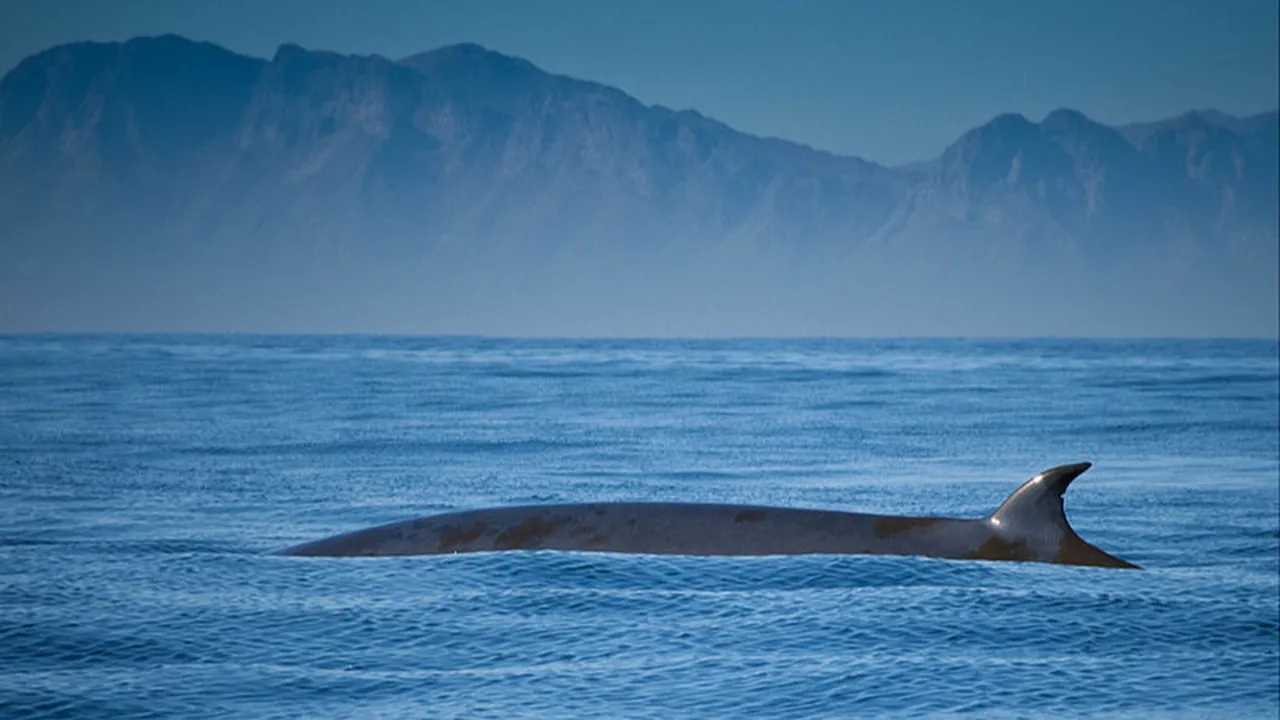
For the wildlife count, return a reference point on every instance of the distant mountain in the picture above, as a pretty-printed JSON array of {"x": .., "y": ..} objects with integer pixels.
[{"x": 166, "y": 184}]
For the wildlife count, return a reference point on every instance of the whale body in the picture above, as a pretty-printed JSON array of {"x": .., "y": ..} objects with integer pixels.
[{"x": 1030, "y": 525}]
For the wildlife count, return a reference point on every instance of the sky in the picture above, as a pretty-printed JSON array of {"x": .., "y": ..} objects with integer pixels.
[{"x": 893, "y": 82}]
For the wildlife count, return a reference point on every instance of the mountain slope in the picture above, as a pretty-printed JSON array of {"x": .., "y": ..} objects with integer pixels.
[{"x": 165, "y": 184}]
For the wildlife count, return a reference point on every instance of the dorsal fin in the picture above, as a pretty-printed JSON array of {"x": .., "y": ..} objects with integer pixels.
[
  {"x": 1034, "y": 513},
  {"x": 1038, "y": 501}
]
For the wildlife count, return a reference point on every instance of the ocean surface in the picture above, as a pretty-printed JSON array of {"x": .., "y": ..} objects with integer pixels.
[{"x": 146, "y": 481}]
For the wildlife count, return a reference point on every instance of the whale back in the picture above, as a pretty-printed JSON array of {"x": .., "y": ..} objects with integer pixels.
[
  {"x": 1029, "y": 526},
  {"x": 1032, "y": 520}
]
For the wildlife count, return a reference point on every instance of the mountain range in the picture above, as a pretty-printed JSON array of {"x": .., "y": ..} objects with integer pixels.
[{"x": 166, "y": 184}]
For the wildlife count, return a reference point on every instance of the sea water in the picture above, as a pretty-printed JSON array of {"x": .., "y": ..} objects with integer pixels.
[{"x": 146, "y": 481}]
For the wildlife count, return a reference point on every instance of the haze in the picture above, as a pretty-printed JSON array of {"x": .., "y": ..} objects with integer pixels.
[{"x": 1023, "y": 170}]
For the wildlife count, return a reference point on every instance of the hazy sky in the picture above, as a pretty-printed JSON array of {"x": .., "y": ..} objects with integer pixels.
[{"x": 891, "y": 82}]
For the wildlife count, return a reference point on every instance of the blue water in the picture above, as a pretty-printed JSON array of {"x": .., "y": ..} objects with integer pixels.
[{"x": 146, "y": 481}]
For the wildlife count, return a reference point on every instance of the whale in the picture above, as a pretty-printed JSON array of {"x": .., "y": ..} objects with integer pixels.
[{"x": 1029, "y": 526}]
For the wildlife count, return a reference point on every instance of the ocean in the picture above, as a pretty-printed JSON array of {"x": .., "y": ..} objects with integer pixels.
[{"x": 146, "y": 483}]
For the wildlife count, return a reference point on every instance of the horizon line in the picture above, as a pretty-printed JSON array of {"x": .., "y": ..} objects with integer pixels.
[{"x": 5, "y": 334}]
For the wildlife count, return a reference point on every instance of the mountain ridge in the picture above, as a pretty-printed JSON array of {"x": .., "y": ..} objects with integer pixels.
[
  {"x": 1129, "y": 129},
  {"x": 182, "y": 163}
]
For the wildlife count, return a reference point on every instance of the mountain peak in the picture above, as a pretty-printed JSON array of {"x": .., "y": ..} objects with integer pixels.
[
  {"x": 464, "y": 49},
  {"x": 1000, "y": 130},
  {"x": 1010, "y": 121},
  {"x": 1064, "y": 117},
  {"x": 166, "y": 39},
  {"x": 470, "y": 56},
  {"x": 287, "y": 50}
]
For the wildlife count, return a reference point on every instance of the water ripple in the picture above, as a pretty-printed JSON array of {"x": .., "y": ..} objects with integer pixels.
[{"x": 146, "y": 482}]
